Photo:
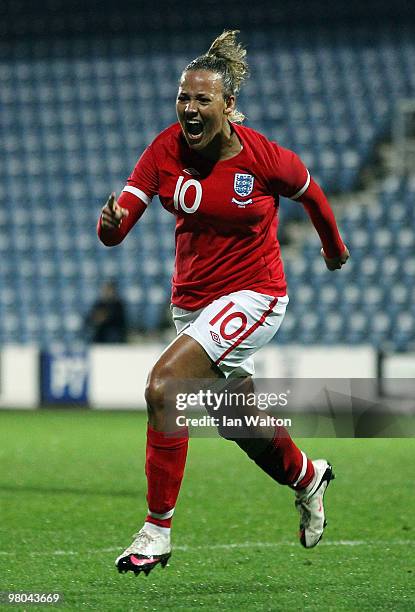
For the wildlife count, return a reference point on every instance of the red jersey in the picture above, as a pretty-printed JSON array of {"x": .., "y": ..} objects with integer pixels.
[{"x": 226, "y": 212}]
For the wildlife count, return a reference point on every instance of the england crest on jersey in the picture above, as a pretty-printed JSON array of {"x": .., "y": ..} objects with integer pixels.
[{"x": 243, "y": 184}]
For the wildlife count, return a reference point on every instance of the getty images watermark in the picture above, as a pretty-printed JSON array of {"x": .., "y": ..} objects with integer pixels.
[
  {"x": 310, "y": 408},
  {"x": 222, "y": 401}
]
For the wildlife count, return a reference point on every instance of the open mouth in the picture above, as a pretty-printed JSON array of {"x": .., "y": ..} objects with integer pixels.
[{"x": 194, "y": 129}]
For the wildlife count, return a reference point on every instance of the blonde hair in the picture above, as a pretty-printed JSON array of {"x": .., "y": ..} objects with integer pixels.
[{"x": 226, "y": 56}]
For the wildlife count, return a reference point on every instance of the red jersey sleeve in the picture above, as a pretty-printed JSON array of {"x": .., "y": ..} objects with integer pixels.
[
  {"x": 322, "y": 217},
  {"x": 137, "y": 194},
  {"x": 291, "y": 179},
  {"x": 144, "y": 180},
  {"x": 288, "y": 175}
]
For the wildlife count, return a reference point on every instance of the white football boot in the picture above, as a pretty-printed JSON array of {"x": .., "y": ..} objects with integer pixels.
[
  {"x": 151, "y": 546},
  {"x": 309, "y": 503}
]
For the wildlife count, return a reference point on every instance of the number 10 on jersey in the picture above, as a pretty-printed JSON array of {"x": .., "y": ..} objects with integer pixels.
[{"x": 180, "y": 192}]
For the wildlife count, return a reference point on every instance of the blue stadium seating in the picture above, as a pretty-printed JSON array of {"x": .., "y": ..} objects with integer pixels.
[
  {"x": 373, "y": 298},
  {"x": 77, "y": 113}
]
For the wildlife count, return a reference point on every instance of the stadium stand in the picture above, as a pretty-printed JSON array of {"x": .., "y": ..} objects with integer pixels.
[
  {"x": 77, "y": 112},
  {"x": 373, "y": 300}
]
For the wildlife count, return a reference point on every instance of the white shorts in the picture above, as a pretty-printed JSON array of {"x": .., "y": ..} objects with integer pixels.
[{"x": 232, "y": 328}]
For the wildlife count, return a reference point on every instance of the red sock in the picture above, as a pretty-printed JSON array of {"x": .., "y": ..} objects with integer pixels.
[
  {"x": 165, "y": 462},
  {"x": 284, "y": 462}
]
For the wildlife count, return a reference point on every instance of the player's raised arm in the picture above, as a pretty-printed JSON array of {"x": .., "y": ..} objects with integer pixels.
[{"x": 118, "y": 217}]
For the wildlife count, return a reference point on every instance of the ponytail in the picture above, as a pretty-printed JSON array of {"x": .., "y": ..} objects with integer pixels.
[{"x": 226, "y": 57}]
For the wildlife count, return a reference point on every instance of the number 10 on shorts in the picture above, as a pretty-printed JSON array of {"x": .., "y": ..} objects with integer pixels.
[{"x": 226, "y": 320}]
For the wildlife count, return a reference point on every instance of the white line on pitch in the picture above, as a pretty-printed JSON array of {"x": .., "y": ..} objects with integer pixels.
[{"x": 189, "y": 548}]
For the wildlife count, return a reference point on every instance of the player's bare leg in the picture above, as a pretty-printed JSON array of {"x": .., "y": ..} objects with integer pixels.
[{"x": 166, "y": 453}]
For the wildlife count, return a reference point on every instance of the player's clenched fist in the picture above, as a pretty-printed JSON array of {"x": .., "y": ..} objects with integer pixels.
[
  {"x": 112, "y": 213},
  {"x": 335, "y": 263}
]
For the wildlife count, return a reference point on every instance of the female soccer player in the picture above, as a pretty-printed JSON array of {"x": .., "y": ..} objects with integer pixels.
[{"x": 221, "y": 181}]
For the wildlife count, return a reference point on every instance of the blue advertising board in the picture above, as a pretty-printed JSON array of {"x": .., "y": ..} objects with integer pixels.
[{"x": 64, "y": 377}]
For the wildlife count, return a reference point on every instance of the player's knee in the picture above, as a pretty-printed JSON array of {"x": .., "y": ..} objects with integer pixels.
[
  {"x": 154, "y": 393},
  {"x": 156, "y": 388}
]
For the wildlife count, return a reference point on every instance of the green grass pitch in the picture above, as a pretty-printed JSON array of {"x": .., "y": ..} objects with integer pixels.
[{"x": 72, "y": 492}]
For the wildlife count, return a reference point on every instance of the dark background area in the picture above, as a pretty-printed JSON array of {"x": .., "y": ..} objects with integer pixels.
[{"x": 54, "y": 18}]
